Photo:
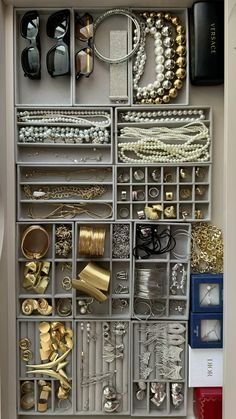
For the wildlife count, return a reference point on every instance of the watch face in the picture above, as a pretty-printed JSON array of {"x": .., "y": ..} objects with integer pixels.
[
  {"x": 209, "y": 295},
  {"x": 210, "y": 330}
]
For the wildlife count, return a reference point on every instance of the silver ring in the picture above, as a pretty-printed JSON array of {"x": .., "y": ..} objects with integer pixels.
[
  {"x": 123, "y": 212},
  {"x": 153, "y": 192},
  {"x": 139, "y": 175},
  {"x": 123, "y": 178},
  {"x": 137, "y": 25}
]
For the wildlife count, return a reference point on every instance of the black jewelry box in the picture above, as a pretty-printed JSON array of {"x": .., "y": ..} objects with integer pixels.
[{"x": 207, "y": 43}]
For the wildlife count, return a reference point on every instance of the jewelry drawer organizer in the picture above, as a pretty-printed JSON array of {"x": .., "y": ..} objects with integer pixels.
[
  {"x": 110, "y": 174},
  {"x": 179, "y": 184},
  {"x": 159, "y": 384},
  {"x": 161, "y": 279}
]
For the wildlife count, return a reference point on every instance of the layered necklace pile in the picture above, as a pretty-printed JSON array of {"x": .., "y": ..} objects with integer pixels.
[
  {"x": 189, "y": 143},
  {"x": 170, "y": 62}
]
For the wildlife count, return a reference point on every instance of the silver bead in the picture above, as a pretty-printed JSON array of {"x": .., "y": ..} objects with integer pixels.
[
  {"x": 169, "y": 64},
  {"x": 153, "y": 94},
  {"x": 169, "y": 75},
  {"x": 168, "y": 42},
  {"x": 149, "y": 22},
  {"x": 153, "y": 30},
  {"x": 166, "y": 31},
  {"x": 160, "y": 91},
  {"x": 167, "y": 84},
  {"x": 169, "y": 53},
  {"x": 159, "y": 23}
]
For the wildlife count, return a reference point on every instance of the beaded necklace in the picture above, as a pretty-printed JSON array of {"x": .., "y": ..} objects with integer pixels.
[{"x": 170, "y": 63}]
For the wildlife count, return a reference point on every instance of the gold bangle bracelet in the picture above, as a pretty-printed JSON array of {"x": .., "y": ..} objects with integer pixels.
[
  {"x": 96, "y": 276},
  {"x": 88, "y": 289},
  {"x": 35, "y": 242}
]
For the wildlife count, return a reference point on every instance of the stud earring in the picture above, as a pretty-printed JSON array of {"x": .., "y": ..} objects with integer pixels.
[
  {"x": 182, "y": 173},
  {"x": 84, "y": 306},
  {"x": 169, "y": 212},
  {"x": 198, "y": 214}
]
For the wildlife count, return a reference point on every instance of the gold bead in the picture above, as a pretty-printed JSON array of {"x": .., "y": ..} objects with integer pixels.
[
  {"x": 181, "y": 50},
  {"x": 173, "y": 92},
  {"x": 150, "y": 101},
  {"x": 169, "y": 196},
  {"x": 167, "y": 16},
  {"x": 178, "y": 84},
  {"x": 145, "y": 14},
  {"x": 166, "y": 99},
  {"x": 175, "y": 21},
  {"x": 181, "y": 62},
  {"x": 180, "y": 73},
  {"x": 159, "y": 15},
  {"x": 180, "y": 39},
  {"x": 143, "y": 101},
  {"x": 180, "y": 29},
  {"x": 152, "y": 14},
  {"x": 158, "y": 100},
  {"x": 169, "y": 212}
]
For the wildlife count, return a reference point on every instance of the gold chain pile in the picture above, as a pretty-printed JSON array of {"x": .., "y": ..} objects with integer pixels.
[
  {"x": 59, "y": 192},
  {"x": 207, "y": 248}
]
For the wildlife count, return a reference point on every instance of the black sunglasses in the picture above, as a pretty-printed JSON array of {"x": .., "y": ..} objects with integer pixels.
[
  {"x": 31, "y": 55},
  {"x": 84, "y": 57},
  {"x": 58, "y": 57}
]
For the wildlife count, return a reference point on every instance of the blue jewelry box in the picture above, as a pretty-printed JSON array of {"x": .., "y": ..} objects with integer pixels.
[
  {"x": 207, "y": 293},
  {"x": 206, "y": 330}
]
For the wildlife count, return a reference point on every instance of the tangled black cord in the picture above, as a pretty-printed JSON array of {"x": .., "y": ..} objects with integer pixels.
[{"x": 151, "y": 240}]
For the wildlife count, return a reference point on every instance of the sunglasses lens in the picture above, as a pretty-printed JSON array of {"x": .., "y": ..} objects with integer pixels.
[
  {"x": 58, "y": 61},
  {"x": 30, "y": 25},
  {"x": 84, "y": 62},
  {"x": 84, "y": 27},
  {"x": 58, "y": 24},
  {"x": 30, "y": 59}
]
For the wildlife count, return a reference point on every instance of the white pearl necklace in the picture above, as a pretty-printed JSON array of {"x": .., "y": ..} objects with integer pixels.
[
  {"x": 46, "y": 118},
  {"x": 158, "y": 144},
  {"x": 185, "y": 115}
]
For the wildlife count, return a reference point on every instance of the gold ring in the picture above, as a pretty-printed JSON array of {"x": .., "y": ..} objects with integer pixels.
[
  {"x": 26, "y": 355},
  {"x": 66, "y": 283},
  {"x": 35, "y": 242},
  {"x": 24, "y": 344}
]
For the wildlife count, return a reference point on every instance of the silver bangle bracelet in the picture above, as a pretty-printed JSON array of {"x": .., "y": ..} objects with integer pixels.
[{"x": 137, "y": 25}]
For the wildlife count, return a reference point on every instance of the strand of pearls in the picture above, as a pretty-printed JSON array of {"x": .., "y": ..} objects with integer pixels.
[
  {"x": 158, "y": 144},
  {"x": 92, "y": 135},
  {"x": 97, "y": 119},
  {"x": 167, "y": 32},
  {"x": 185, "y": 115}
]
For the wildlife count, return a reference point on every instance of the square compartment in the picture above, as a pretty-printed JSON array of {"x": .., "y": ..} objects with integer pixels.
[
  {"x": 123, "y": 193},
  {"x": 185, "y": 174},
  {"x": 186, "y": 193}
]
